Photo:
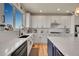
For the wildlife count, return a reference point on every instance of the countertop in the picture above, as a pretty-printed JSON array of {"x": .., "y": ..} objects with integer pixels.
[
  {"x": 10, "y": 45},
  {"x": 68, "y": 45}
]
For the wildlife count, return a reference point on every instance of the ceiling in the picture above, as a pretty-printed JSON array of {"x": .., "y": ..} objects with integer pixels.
[{"x": 51, "y": 7}]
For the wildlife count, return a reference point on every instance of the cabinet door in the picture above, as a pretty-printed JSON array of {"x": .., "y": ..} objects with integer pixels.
[
  {"x": 58, "y": 53},
  {"x": 50, "y": 48},
  {"x": 36, "y": 38},
  {"x": 29, "y": 45},
  {"x": 42, "y": 38}
]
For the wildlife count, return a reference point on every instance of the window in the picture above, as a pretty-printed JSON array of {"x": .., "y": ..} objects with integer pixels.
[
  {"x": 8, "y": 12},
  {"x": 14, "y": 19},
  {"x": 18, "y": 19}
]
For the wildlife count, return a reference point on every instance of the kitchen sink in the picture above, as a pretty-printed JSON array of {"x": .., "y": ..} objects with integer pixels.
[{"x": 24, "y": 36}]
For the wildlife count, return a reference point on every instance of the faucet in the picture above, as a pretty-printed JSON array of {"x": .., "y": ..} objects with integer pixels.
[{"x": 20, "y": 33}]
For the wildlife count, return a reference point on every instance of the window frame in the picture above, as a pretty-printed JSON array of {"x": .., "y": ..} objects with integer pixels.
[
  {"x": 14, "y": 16},
  {"x": 16, "y": 9}
]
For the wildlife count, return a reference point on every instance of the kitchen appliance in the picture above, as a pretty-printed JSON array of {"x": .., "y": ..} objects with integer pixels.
[{"x": 76, "y": 30}]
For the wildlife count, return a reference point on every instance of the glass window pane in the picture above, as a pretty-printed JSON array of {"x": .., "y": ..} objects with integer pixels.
[
  {"x": 18, "y": 19},
  {"x": 8, "y": 12}
]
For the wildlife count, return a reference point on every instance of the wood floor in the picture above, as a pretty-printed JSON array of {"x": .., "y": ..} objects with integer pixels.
[{"x": 42, "y": 49}]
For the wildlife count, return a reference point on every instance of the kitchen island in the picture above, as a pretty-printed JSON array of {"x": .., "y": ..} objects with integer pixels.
[{"x": 66, "y": 45}]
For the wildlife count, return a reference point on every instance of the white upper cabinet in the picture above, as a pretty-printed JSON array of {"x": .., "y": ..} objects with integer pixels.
[
  {"x": 62, "y": 21},
  {"x": 41, "y": 21}
]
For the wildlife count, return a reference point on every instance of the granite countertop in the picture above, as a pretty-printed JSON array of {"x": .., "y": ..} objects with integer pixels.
[
  {"x": 10, "y": 45},
  {"x": 69, "y": 46}
]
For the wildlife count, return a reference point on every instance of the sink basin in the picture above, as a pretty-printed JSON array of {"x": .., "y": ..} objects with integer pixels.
[{"x": 24, "y": 36}]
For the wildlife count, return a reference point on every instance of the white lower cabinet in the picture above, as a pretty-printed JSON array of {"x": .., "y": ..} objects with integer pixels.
[
  {"x": 40, "y": 38},
  {"x": 29, "y": 46},
  {"x": 35, "y": 39}
]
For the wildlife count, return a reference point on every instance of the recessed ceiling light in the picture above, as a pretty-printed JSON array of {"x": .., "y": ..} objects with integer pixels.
[
  {"x": 77, "y": 11},
  {"x": 41, "y": 11},
  {"x": 58, "y": 9},
  {"x": 67, "y": 11}
]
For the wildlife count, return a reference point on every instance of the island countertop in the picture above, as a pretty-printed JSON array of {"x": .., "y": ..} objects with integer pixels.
[
  {"x": 10, "y": 45},
  {"x": 69, "y": 46}
]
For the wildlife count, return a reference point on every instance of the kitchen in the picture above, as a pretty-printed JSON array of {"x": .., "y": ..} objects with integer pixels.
[{"x": 39, "y": 29}]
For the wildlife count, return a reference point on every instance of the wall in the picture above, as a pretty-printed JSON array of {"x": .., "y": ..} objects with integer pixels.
[
  {"x": 28, "y": 20},
  {"x": 24, "y": 20},
  {"x": 1, "y": 12}
]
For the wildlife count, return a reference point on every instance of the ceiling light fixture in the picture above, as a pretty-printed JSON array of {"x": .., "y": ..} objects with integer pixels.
[
  {"x": 58, "y": 9},
  {"x": 67, "y": 11},
  {"x": 77, "y": 11},
  {"x": 40, "y": 10}
]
